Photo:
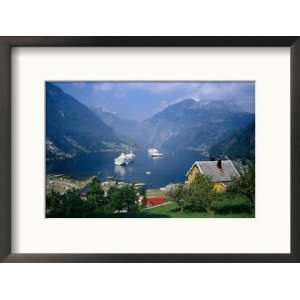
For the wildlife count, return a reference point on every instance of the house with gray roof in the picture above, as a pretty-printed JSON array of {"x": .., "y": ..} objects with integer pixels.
[{"x": 220, "y": 172}]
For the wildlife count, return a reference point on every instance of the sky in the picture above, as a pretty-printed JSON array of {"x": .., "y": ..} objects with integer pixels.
[{"x": 141, "y": 100}]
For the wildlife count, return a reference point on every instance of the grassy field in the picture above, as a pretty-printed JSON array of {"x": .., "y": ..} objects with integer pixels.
[{"x": 170, "y": 211}]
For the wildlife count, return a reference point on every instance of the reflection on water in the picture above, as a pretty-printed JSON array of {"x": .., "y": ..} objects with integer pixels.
[
  {"x": 157, "y": 157},
  {"x": 120, "y": 171}
]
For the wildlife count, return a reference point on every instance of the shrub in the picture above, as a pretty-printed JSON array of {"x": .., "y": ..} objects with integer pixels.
[{"x": 231, "y": 203}]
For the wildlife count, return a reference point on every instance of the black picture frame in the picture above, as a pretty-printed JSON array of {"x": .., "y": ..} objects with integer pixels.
[{"x": 7, "y": 43}]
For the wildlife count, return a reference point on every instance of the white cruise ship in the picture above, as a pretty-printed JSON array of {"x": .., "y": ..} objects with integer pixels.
[
  {"x": 154, "y": 152},
  {"x": 124, "y": 159}
]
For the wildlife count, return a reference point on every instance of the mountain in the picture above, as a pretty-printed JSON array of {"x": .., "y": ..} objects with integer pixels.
[
  {"x": 195, "y": 124},
  {"x": 72, "y": 128},
  {"x": 130, "y": 131},
  {"x": 240, "y": 145}
]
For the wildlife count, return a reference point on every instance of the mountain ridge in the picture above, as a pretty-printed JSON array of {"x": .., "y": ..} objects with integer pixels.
[
  {"x": 72, "y": 128},
  {"x": 192, "y": 124}
]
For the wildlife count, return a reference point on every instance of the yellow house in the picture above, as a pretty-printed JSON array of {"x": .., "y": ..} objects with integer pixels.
[{"x": 220, "y": 172}]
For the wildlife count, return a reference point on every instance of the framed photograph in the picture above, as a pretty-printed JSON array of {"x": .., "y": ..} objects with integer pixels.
[{"x": 149, "y": 149}]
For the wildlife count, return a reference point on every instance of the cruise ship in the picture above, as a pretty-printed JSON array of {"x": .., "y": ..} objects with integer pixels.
[
  {"x": 154, "y": 152},
  {"x": 124, "y": 159}
]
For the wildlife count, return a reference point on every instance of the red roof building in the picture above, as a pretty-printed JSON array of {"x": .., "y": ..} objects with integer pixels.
[{"x": 153, "y": 201}]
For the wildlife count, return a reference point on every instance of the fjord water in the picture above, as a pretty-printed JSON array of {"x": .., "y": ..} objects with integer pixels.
[{"x": 170, "y": 168}]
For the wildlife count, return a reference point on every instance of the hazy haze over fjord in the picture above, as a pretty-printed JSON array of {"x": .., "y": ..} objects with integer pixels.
[{"x": 141, "y": 100}]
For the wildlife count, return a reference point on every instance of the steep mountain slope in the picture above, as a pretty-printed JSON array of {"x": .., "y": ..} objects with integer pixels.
[
  {"x": 240, "y": 145},
  {"x": 195, "y": 125},
  {"x": 130, "y": 131},
  {"x": 72, "y": 128}
]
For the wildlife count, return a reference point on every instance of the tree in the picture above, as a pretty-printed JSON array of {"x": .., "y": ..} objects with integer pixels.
[
  {"x": 177, "y": 194},
  {"x": 53, "y": 200},
  {"x": 95, "y": 196},
  {"x": 68, "y": 205},
  {"x": 131, "y": 198},
  {"x": 75, "y": 207},
  {"x": 115, "y": 201},
  {"x": 199, "y": 194},
  {"x": 122, "y": 198},
  {"x": 245, "y": 184}
]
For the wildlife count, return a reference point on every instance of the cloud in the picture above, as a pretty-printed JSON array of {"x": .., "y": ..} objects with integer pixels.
[
  {"x": 224, "y": 90},
  {"x": 163, "y": 87},
  {"x": 150, "y": 86},
  {"x": 199, "y": 90},
  {"x": 241, "y": 93},
  {"x": 172, "y": 92},
  {"x": 79, "y": 84},
  {"x": 104, "y": 86}
]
